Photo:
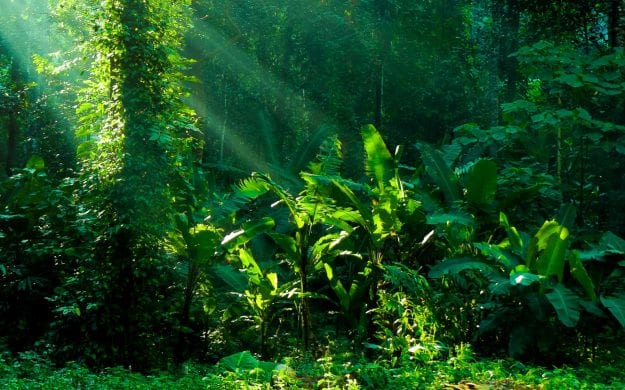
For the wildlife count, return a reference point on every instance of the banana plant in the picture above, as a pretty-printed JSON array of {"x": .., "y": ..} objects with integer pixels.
[
  {"x": 263, "y": 294},
  {"x": 300, "y": 242},
  {"x": 198, "y": 245},
  {"x": 263, "y": 291},
  {"x": 608, "y": 255},
  {"x": 383, "y": 208},
  {"x": 379, "y": 211},
  {"x": 466, "y": 191},
  {"x": 531, "y": 269}
]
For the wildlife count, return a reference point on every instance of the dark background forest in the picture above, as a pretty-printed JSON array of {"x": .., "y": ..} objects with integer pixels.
[{"x": 187, "y": 180}]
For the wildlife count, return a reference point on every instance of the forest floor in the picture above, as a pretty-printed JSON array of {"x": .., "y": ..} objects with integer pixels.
[{"x": 31, "y": 372}]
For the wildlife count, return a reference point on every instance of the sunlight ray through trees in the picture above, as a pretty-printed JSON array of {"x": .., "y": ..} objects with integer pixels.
[{"x": 312, "y": 194}]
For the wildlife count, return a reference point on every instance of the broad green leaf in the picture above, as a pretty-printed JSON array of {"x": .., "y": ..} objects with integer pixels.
[
  {"x": 273, "y": 279},
  {"x": 616, "y": 306},
  {"x": 545, "y": 232},
  {"x": 612, "y": 243},
  {"x": 287, "y": 244},
  {"x": 583, "y": 114},
  {"x": 482, "y": 182},
  {"x": 245, "y": 361},
  {"x": 495, "y": 253},
  {"x": 379, "y": 162},
  {"x": 579, "y": 273},
  {"x": 182, "y": 224},
  {"x": 459, "y": 218},
  {"x": 456, "y": 266},
  {"x": 440, "y": 172},
  {"x": 566, "y": 304},
  {"x": 247, "y": 232},
  {"x": 203, "y": 243},
  {"x": 499, "y": 285},
  {"x": 249, "y": 262},
  {"x": 572, "y": 80},
  {"x": 551, "y": 260},
  {"x": 337, "y": 287},
  {"x": 592, "y": 308},
  {"x": 513, "y": 235},
  {"x": 326, "y": 246},
  {"x": 364, "y": 214},
  {"x": 591, "y": 254},
  {"x": 234, "y": 278},
  {"x": 523, "y": 278},
  {"x": 341, "y": 219},
  {"x": 567, "y": 215},
  {"x": 35, "y": 162},
  {"x": 357, "y": 290},
  {"x": 519, "y": 105}
]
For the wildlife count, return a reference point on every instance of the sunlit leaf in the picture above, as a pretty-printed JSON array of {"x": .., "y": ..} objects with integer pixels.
[
  {"x": 523, "y": 278},
  {"x": 513, "y": 235},
  {"x": 35, "y": 162},
  {"x": 379, "y": 161},
  {"x": 247, "y": 232},
  {"x": 551, "y": 260},
  {"x": 273, "y": 279}
]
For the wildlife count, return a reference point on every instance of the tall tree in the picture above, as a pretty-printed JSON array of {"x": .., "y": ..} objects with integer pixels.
[{"x": 136, "y": 155}]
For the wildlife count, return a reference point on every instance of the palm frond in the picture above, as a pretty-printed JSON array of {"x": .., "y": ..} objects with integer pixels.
[
  {"x": 329, "y": 160},
  {"x": 243, "y": 193}
]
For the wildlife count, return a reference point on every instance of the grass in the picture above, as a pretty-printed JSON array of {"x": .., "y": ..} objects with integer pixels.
[{"x": 461, "y": 371}]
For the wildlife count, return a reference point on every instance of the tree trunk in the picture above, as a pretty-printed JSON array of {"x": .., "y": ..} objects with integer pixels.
[
  {"x": 182, "y": 344},
  {"x": 13, "y": 123},
  {"x": 12, "y": 130},
  {"x": 507, "y": 22},
  {"x": 614, "y": 23}
]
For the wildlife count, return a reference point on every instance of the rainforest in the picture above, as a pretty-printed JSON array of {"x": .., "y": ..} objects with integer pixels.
[{"x": 312, "y": 194}]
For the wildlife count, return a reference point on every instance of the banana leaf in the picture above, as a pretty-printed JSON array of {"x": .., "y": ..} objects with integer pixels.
[
  {"x": 566, "y": 304},
  {"x": 455, "y": 266},
  {"x": 247, "y": 232},
  {"x": 482, "y": 182},
  {"x": 579, "y": 273},
  {"x": 616, "y": 306},
  {"x": 440, "y": 172},
  {"x": 379, "y": 161}
]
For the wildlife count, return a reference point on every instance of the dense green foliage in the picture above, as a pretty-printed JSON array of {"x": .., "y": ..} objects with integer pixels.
[
  {"x": 364, "y": 192},
  {"x": 342, "y": 371}
]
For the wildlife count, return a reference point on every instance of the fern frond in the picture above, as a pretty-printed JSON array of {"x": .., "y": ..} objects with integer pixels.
[
  {"x": 307, "y": 152},
  {"x": 329, "y": 160},
  {"x": 243, "y": 193}
]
